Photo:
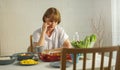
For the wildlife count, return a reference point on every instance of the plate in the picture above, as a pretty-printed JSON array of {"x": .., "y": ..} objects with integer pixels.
[
  {"x": 4, "y": 60},
  {"x": 58, "y": 64},
  {"x": 24, "y": 55}
]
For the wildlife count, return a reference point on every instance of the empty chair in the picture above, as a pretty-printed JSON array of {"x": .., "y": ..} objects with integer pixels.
[{"x": 93, "y": 51}]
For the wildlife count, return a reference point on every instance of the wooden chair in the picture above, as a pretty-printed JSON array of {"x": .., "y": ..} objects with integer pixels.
[
  {"x": 84, "y": 51},
  {"x": 30, "y": 48}
]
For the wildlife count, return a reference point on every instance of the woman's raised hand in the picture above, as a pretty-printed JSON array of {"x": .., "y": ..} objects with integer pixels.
[{"x": 44, "y": 27}]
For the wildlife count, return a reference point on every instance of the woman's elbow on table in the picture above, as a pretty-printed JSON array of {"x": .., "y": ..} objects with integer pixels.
[{"x": 67, "y": 44}]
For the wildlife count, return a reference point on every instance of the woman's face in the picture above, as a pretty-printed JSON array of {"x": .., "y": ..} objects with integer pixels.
[{"x": 51, "y": 24}]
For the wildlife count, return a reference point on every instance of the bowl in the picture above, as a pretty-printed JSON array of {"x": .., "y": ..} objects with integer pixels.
[
  {"x": 4, "y": 60},
  {"x": 23, "y": 56}
]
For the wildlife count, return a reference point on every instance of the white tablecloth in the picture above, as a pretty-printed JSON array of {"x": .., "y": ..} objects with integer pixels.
[{"x": 46, "y": 65}]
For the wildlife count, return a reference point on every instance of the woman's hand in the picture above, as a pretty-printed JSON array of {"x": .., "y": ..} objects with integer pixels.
[
  {"x": 44, "y": 27},
  {"x": 67, "y": 44}
]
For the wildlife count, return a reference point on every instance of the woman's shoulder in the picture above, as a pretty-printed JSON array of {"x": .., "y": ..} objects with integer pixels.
[
  {"x": 37, "y": 31},
  {"x": 59, "y": 28}
]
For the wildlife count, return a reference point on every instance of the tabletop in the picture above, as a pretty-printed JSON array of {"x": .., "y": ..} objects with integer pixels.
[{"x": 46, "y": 65}]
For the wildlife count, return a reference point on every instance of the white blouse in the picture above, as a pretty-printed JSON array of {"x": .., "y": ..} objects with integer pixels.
[{"x": 56, "y": 39}]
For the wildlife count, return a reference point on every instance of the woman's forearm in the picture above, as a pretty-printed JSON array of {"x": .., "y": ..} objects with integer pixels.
[
  {"x": 41, "y": 40},
  {"x": 42, "y": 35},
  {"x": 57, "y": 49}
]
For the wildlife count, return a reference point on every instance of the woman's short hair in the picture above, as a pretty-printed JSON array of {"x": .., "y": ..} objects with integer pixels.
[{"x": 53, "y": 14}]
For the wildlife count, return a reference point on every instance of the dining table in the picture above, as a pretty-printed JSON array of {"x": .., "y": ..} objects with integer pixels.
[{"x": 46, "y": 65}]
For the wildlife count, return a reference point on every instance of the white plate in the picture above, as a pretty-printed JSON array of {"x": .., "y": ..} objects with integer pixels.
[{"x": 57, "y": 64}]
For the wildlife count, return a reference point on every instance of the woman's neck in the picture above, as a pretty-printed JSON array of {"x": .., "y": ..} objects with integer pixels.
[{"x": 49, "y": 32}]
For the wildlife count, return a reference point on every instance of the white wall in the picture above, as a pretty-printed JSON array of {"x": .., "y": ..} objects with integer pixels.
[
  {"x": 77, "y": 16},
  {"x": 19, "y": 18},
  {"x": 103, "y": 8}
]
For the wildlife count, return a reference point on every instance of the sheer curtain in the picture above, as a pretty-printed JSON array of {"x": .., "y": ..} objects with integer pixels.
[{"x": 115, "y": 4}]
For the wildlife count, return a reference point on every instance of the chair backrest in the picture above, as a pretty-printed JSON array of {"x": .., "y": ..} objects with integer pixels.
[
  {"x": 30, "y": 48},
  {"x": 93, "y": 51}
]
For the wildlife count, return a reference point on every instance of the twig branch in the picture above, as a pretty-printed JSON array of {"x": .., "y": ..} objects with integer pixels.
[{"x": 98, "y": 28}]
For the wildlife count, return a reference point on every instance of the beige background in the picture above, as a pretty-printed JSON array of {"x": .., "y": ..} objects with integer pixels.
[{"x": 19, "y": 18}]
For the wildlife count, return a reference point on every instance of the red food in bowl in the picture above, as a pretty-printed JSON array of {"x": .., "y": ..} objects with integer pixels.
[{"x": 50, "y": 57}]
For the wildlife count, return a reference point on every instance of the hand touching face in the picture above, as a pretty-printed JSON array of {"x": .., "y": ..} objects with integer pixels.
[
  {"x": 49, "y": 25},
  {"x": 44, "y": 27}
]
